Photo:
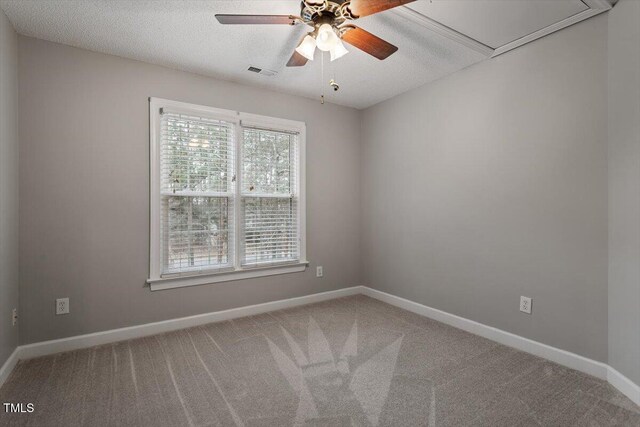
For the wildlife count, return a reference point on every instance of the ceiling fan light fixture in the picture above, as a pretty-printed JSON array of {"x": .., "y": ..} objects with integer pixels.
[
  {"x": 307, "y": 48},
  {"x": 327, "y": 38},
  {"x": 338, "y": 51}
]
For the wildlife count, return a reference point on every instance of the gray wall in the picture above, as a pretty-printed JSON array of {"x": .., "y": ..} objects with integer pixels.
[
  {"x": 8, "y": 186},
  {"x": 483, "y": 186},
  {"x": 84, "y": 182},
  {"x": 492, "y": 183},
  {"x": 624, "y": 188}
]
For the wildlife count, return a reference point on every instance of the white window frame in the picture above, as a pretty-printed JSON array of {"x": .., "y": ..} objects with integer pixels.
[{"x": 156, "y": 280}]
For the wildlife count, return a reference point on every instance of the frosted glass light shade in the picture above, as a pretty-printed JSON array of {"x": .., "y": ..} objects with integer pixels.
[
  {"x": 326, "y": 39},
  {"x": 338, "y": 51},
  {"x": 307, "y": 47}
]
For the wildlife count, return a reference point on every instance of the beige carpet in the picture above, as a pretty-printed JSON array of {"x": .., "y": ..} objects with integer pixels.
[{"x": 348, "y": 362}]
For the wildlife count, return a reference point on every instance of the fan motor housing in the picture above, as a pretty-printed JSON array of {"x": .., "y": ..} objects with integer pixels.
[{"x": 330, "y": 12}]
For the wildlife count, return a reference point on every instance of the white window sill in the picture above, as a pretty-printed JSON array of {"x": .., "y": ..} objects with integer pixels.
[{"x": 206, "y": 279}]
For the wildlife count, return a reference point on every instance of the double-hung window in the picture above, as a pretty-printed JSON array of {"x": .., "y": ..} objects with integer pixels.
[{"x": 227, "y": 195}]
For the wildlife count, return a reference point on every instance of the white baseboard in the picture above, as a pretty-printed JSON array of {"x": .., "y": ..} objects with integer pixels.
[
  {"x": 8, "y": 366},
  {"x": 562, "y": 357},
  {"x": 624, "y": 385},
  {"x": 83, "y": 341}
]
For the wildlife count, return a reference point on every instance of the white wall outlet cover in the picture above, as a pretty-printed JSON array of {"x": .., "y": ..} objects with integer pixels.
[
  {"x": 14, "y": 316},
  {"x": 62, "y": 306},
  {"x": 319, "y": 271},
  {"x": 525, "y": 305}
]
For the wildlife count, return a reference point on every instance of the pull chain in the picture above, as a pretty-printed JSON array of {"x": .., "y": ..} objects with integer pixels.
[{"x": 322, "y": 77}]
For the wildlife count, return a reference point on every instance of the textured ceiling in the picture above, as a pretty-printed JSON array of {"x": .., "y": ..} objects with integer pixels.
[
  {"x": 186, "y": 36},
  {"x": 498, "y": 22}
]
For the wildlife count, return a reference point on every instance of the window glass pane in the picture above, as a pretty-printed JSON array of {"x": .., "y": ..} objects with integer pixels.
[
  {"x": 196, "y": 232},
  {"x": 268, "y": 162},
  {"x": 196, "y": 154},
  {"x": 270, "y": 230},
  {"x": 197, "y": 186}
]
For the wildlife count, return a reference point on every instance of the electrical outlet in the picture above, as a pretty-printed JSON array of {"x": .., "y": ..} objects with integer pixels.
[
  {"x": 525, "y": 305},
  {"x": 62, "y": 306},
  {"x": 14, "y": 316},
  {"x": 319, "y": 271}
]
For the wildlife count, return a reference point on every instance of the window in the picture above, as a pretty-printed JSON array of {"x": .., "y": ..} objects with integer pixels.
[{"x": 227, "y": 195}]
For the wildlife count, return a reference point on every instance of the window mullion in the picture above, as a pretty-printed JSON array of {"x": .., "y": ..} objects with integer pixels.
[{"x": 237, "y": 200}]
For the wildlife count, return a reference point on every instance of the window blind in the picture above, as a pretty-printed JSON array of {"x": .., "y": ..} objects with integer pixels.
[
  {"x": 197, "y": 193},
  {"x": 269, "y": 197}
]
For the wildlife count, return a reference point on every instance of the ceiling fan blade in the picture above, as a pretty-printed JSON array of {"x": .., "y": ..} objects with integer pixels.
[
  {"x": 296, "y": 60},
  {"x": 256, "y": 19},
  {"x": 360, "y": 8},
  {"x": 369, "y": 43}
]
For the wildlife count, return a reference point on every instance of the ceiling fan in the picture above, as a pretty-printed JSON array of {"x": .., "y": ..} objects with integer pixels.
[{"x": 331, "y": 23}]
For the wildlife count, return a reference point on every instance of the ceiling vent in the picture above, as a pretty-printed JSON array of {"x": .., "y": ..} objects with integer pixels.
[{"x": 268, "y": 73}]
